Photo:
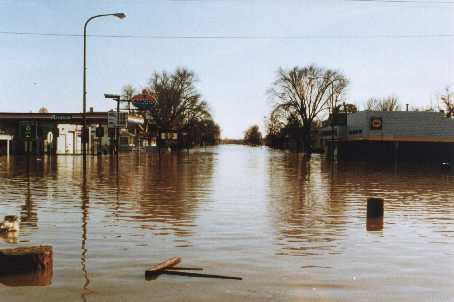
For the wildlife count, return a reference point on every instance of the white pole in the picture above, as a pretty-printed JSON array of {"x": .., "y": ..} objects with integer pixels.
[{"x": 7, "y": 147}]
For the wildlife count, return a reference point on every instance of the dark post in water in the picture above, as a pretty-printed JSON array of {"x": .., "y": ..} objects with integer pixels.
[{"x": 375, "y": 207}]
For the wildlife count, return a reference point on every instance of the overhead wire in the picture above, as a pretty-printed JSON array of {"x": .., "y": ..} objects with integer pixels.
[{"x": 232, "y": 37}]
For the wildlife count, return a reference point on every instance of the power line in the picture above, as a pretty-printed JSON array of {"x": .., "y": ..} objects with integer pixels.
[
  {"x": 233, "y": 37},
  {"x": 404, "y": 1},
  {"x": 424, "y": 2}
]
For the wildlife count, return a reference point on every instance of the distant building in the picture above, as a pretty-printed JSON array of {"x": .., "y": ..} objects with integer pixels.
[{"x": 392, "y": 135}]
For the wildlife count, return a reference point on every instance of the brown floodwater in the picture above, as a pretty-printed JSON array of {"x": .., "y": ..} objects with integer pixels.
[{"x": 294, "y": 228}]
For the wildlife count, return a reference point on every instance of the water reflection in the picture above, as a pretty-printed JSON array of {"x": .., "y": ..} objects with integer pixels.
[
  {"x": 374, "y": 224},
  {"x": 38, "y": 278},
  {"x": 307, "y": 212},
  {"x": 314, "y": 201},
  {"x": 29, "y": 217},
  {"x": 85, "y": 205},
  {"x": 234, "y": 208},
  {"x": 166, "y": 190}
]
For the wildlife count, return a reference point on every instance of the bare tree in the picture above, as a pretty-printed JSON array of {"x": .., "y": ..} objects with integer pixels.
[
  {"x": 447, "y": 102},
  {"x": 390, "y": 103},
  {"x": 178, "y": 106},
  {"x": 127, "y": 93},
  {"x": 304, "y": 93}
]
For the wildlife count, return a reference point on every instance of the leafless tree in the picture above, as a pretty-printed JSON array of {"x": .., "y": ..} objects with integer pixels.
[
  {"x": 178, "y": 106},
  {"x": 127, "y": 93},
  {"x": 447, "y": 102},
  {"x": 305, "y": 93},
  {"x": 390, "y": 103}
]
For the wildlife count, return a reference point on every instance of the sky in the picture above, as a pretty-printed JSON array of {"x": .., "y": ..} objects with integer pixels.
[{"x": 235, "y": 48}]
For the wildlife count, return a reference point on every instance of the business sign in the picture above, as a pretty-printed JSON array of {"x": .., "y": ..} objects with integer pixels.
[
  {"x": 173, "y": 136},
  {"x": 376, "y": 123},
  {"x": 62, "y": 117},
  {"x": 26, "y": 130}
]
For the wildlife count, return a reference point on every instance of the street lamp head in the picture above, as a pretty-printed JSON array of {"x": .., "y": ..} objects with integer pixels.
[{"x": 120, "y": 15}]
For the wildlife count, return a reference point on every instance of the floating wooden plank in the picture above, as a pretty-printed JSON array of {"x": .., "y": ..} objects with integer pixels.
[
  {"x": 163, "y": 265},
  {"x": 25, "y": 259},
  {"x": 199, "y": 275}
]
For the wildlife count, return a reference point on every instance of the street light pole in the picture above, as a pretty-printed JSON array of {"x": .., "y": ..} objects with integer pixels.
[{"x": 84, "y": 93}]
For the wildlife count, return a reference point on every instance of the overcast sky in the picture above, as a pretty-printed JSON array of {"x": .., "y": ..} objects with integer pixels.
[{"x": 405, "y": 49}]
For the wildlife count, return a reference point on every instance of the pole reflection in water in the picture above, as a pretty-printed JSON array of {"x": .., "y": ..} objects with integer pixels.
[
  {"x": 84, "y": 207},
  {"x": 28, "y": 213}
]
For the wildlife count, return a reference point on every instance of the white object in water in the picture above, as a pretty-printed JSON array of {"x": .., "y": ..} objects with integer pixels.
[{"x": 10, "y": 224}]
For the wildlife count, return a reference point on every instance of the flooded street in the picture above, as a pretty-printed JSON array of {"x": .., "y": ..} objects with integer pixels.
[{"x": 293, "y": 228}]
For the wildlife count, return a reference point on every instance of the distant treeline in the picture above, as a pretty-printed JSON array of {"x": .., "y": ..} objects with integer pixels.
[{"x": 231, "y": 141}]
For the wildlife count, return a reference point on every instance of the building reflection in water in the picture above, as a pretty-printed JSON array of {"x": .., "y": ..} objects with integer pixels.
[{"x": 166, "y": 190}]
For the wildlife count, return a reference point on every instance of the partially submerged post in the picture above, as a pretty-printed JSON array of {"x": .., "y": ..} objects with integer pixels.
[
  {"x": 375, "y": 207},
  {"x": 375, "y": 213},
  {"x": 25, "y": 259}
]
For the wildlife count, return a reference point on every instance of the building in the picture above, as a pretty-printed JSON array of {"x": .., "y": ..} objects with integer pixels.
[
  {"x": 392, "y": 135},
  {"x": 60, "y": 133}
]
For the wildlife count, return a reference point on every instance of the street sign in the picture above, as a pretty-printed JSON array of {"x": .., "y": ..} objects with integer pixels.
[{"x": 114, "y": 122}]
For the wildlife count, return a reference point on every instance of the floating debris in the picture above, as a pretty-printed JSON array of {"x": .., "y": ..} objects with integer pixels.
[
  {"x": 168, "y": 267},
  {"x": 25, "y": 259}
]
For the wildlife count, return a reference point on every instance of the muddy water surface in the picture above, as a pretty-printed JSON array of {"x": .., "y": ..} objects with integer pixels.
[{"x": 294, "y": 228}]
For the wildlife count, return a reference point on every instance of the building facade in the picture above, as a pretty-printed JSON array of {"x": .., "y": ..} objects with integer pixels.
[
  {"x": 393, "y": 135},
  {"x": 61, "y": 133}
]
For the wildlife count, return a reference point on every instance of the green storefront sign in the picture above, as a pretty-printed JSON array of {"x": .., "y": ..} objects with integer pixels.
[{"x": 27, "y": 131}]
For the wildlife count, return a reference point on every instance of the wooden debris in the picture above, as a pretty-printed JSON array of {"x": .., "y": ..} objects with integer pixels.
[
  {"x": 25, "y": 259},
  {"x": 168, "y": 267},
  {"x": 182, "y": 268},
  {"x": 163, "y": 265},
  {"x": 188, "y": 274}
]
